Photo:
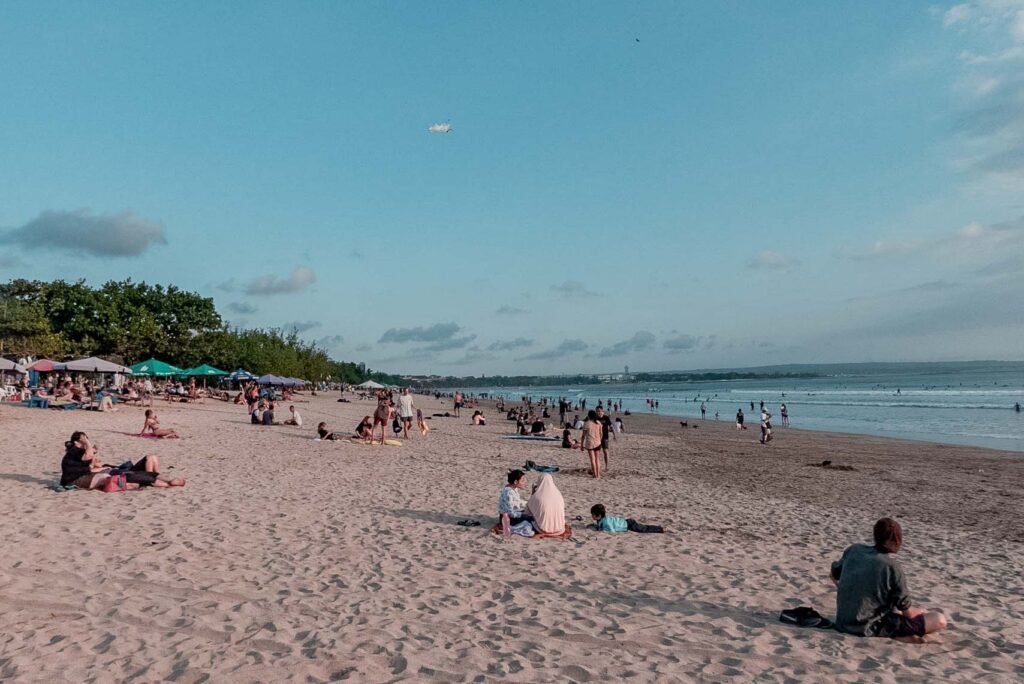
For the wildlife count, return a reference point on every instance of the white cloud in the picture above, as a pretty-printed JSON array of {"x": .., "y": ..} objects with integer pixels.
[
  {"x": 771, "y": 260},
  {"x": 301, "y": 278},
  {"x": 957, "y": 14}
]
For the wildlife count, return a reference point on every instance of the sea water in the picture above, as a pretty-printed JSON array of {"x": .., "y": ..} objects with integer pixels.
[{"x": 968, "y": 403}]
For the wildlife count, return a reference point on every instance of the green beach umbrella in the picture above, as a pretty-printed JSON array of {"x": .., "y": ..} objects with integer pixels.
[
  {"x": 154, "y": 368},
  {"x": 206, "y": 371}
]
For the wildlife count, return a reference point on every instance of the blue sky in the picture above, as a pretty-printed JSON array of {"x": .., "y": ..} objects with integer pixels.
[{"x": 665, "y": 185}]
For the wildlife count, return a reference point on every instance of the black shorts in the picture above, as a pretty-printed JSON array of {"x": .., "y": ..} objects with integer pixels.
[
  {"x": 898, "y": 625},
  {"x": 458, "y": 404},
  {"x": 604, "y": 444}
]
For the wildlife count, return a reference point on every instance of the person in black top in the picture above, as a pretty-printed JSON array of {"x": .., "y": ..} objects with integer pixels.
[
  {"x": 365, "y": 428},
  {"x": 606, "y": 431},
  {"x": 82, "y": 467}
]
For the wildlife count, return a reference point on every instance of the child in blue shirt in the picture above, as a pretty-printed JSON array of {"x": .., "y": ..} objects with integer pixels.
[{"x": 610, "y": 523}]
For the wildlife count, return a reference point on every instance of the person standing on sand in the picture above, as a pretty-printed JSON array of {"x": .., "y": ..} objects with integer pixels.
[
  {"x": 406, "y": 411},
  {"x": 703, "y": 410},
  {"x": 766, "y": 426},
  {"x": 606, "y": 431},
  {"x": 872, "y": 597},
  {"x": 591, "y": 443},
  {"x": 785, "y": 415},
  {"x": 739, "y": 420},
  {"x": 457, "y": 404},
  {"x": 381, "y": 417}
]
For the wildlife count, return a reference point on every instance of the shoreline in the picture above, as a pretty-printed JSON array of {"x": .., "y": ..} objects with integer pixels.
[{"x": 286, "y": 559}]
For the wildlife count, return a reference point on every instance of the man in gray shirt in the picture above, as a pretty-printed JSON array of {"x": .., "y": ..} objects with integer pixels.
[{"x": 873, "y": 599}]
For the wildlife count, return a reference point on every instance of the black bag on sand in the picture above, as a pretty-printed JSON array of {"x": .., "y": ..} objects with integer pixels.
[{"x": 805, "y": 617}]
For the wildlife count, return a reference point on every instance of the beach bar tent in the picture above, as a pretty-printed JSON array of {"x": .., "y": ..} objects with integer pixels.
[
  {"x": 92, "y": 364},
  {"x": 154, "y": 368},
  {"x": 205, "y": 371},
  {"x": 37, "y": 367},
  {"x": 370, "y": 384},
  {"x": 97, "y": 365},
  {"x": 8, "y": 366}
]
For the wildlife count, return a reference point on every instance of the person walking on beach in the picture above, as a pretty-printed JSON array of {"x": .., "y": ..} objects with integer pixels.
[
  {"x": 739, "y": 420},
  {"x": 766, "y": 426},
  {"x": 872, "y": 597}
]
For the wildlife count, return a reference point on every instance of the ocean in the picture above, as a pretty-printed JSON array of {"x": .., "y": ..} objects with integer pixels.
[{"x": 969, "y": 403}]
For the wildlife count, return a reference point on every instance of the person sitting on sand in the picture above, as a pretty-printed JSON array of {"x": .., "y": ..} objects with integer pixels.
[
  {"x": 296, "y": 419},
  {"x": 82, "y": 467},
  {"x": 268, "y": 414},
  {"x": 478, "y": 418},
  {"x": 619, "y": 427},
  {"x": 325, "y": 434},
  {"x": 567, "y": 440},
  {"x": 547, "y": 507},
  {"x": 609, "y": 523},
  {"x": 872, "y": 599},
  {"x": 152, "y": 426},
  {"x": 365, "y": 428},
  {"x": 577, "y": 424},
  {"x": 511, "y": 501},
  {"x": 106, "y": 402},
  {"x": 538, "y": 428},
  {"x": 593, "y": 433}
]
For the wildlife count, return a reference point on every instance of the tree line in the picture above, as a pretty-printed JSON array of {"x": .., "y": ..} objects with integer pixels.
[{"x": 131, "y": 322}]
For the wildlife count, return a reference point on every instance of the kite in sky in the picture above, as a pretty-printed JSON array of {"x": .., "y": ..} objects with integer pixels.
[{"x": 440, "y": 128}]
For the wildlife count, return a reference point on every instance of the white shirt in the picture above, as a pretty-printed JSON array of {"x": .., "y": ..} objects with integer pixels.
[
  {"x": 297, "y": 418},
  {"x": 405, "y": 406}
]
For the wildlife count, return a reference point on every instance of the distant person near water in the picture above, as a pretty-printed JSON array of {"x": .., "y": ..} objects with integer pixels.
[
  {"x": 457, "y": 404},
  {"x": 739, "y": 420},
  {"x": 785, "y": 415},
  {"x": 703, "y": 410},
  {"x": 766, "y": 426},
  {"x": 872, "y": 597}
]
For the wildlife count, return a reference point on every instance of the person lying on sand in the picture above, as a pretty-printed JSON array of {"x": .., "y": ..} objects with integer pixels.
[
  {"x": 547, "y": 507},
  {"x": 872, "y": 599},
  {"x": 82, "y": 467},
  {"x": 609, "y": 523},
  {"x": 511, "y": 501},
  {"x": 325, "y": 434},
  {"x": 152, "y": 426}
]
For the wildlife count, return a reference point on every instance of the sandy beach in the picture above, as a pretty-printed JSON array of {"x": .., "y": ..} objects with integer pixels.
[{"x": 285, "y": 559}]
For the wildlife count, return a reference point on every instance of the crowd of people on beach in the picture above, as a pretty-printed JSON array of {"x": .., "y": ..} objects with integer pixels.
[{"x": 872, "y": 595}]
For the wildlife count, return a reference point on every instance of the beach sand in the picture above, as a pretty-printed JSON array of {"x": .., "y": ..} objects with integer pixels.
[{"x": 290, "y": 560}]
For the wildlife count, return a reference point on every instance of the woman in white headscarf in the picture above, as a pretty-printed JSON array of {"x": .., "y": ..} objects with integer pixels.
[{"x": 547, "y": 507}]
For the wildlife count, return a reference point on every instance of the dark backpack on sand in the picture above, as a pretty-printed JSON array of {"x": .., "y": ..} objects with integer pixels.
[{"x": 805, "y": 617}]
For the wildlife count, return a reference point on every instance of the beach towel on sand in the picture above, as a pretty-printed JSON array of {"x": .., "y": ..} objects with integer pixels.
[{"x": 539, "y": 535}]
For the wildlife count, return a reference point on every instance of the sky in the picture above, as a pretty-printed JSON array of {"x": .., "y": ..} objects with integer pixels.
[{"x": 663, "y": 185}]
